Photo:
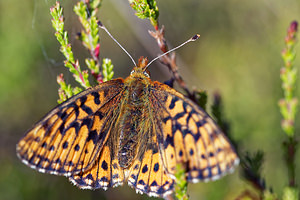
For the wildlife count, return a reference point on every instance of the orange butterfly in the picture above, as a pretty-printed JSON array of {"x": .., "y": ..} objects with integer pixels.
[{"x": 134, "y": 130}]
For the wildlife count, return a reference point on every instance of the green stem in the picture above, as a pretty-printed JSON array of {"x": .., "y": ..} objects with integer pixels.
[
  {"x": 290, "y": 151},
  {"x": 180, "y": 183},
  {"x": 288, "y": 104}
]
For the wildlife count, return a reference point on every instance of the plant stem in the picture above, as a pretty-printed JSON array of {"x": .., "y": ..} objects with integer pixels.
[{"x": 288, "y": 104}]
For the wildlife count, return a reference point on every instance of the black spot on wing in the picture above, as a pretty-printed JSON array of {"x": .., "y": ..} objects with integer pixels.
[
  {"x": 83, "y": 99},
  {"x": 92, "y": 136},
  {"x": 191, "y": 152},
  {"x": 180, "y": 153},
  {"x": 104, "y": 165},
  {"x": 87, "y": 122},
  {"x": 176, "y": 127},
  {"x": 173, "y": 101},
  {"x": 200, "y": 123},
  {"x": 65, "y": 145},
  {"x": 156, "y": 167},
  {"x": 179, "y": 115},
  {"x": 104, "y": 179},
  {"x": 141, "y": 182},
  {"x": 136, "y": 166},
  {"x": 184, "y": 105},
  {"x": 133, "y": 176},
  {"x": 166, "y": 119},
  {"x": 166, "y": 183},
  {"x": 70, "y": 163},
  {"x": 77, "y": 147},
  {"x": 58, "y": 161},
  {"x": 44, "y": 145},
  {"x": 96, "y": 97},
  {"x": 74, "y": 124},
  {"x": 75, "y": 108},
  {"x": 154, "y": 183},
  {"x": 145, "y": 168},
  {"x": 197, "y": 136},
  {"x": 80, "y": 182},
  {"x": 90, "y": 177},
  {"x": 188, "y": 117},
  {"x": 62, "y": 115},
  {"x": 46, "y": 124},
  {"x": 62, "y": 128},
  {"x": 169, "y": 141},
  {"x": 102, "y": 136},
  {"x": 100, "y": 114},
  {"x": 155, "y": 149},
  {"x": 185, "y": 132},
  {"x": 87, "y": 109}
]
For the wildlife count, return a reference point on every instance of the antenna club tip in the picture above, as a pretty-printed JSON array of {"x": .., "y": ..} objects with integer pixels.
[
  {"x": 99, "y": 23},
  {"x": 195, "y": 37}
]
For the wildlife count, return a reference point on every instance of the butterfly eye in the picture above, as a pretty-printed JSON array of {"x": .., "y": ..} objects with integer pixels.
[{"x": 146, "y": 74}]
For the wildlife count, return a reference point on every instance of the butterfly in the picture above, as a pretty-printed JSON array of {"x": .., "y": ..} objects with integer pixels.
[{"x": 134, "y": 130}]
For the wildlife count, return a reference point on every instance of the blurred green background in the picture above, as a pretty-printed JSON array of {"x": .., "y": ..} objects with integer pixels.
[{"x": 238, "y": 55}]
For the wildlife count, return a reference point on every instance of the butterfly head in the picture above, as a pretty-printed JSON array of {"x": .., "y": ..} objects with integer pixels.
[{"x": 141, "y": 69}]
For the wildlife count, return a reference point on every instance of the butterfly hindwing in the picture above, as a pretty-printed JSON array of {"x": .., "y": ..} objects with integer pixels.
[
  {"x": 69, "y": 138},
  {"x": 105, "y": 173},
  {"x": 191, "y": 137},
  {"x": 147, "y": 174}
]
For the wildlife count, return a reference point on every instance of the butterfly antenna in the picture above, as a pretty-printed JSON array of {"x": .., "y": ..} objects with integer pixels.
[
  {"x": 104, "y": 28},
  {"x": 192, "y": 39}
]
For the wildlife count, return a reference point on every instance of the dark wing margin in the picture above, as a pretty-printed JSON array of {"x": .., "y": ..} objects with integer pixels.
[
  {"x": 190, "y": 136},
  {"x": 69, "y": 138}
]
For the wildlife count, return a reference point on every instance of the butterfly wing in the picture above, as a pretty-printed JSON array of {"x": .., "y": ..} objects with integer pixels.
[
  {"x": 189, "y": 136},
  {"x": 147, "y": 174},
  {"x": 69, "y": 138},
  {"x": 105, "y": 173}
]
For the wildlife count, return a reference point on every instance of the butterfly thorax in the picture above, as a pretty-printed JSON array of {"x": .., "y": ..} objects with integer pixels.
[{"x": 133, "y": 120}]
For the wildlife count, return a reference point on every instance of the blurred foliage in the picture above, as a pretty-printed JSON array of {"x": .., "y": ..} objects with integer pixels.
[
  {"x": 238, "y": 55},
  {"x": 146, "y": 9}
]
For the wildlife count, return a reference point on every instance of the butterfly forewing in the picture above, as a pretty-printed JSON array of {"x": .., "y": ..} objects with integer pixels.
[
  {"x": 70, "y": 137},
  {"x": 190, "y": 137}
]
